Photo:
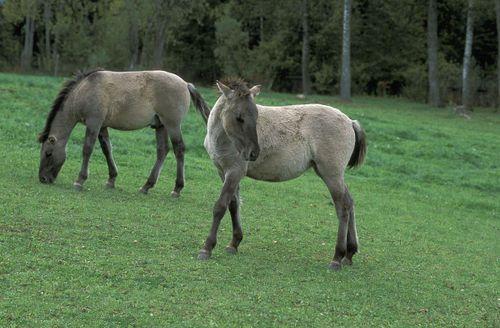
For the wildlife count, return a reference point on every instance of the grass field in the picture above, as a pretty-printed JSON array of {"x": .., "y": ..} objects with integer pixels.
[{"x": 427, "y": 201}]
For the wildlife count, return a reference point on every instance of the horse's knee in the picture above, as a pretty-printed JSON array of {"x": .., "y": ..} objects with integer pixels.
[
  {"x": 348, "y": 201},
  {"x": 219, "y": 210},
  {"x": 87, "y": 150}
]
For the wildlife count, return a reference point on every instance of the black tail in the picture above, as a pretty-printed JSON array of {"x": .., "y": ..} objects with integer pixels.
[
  {"x": 199, "y": 102},
  {"x": 359, "y": 152},
  {"x": 59, "y": 101}
]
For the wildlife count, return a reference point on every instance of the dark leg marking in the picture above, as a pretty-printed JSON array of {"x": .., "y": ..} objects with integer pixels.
[
  {"x": 108, "y": 153},
  {"x": 343, "y": 203},
  {"x": 234, "y": 210},
  {"x": 352, "y": 238},
  {"x": 179, "y": 149},
  {"x": 231, "y": 183},
  {"x": 161, "y": 153},
  {"x": 88, "y": 146}
]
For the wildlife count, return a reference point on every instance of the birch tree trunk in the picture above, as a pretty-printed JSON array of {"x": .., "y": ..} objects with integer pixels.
[
  {"x": 469, "y": 34},
  {"x": 497, "y": 7},
  {"x": 432, "y": 53},
  {"x": 345, "y": 79},
  {"x": 306, "y": 78}
]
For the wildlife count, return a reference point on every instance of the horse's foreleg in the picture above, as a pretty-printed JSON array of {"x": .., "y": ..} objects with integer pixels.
[
  {"x": 161, "y": 153},
  {"x": 107, "y": 151},
  {"x": 234, "y": 209},
  {"x": 179, "y": 148},
  {"x": 231, "y": 183},
  {"x": 88, "y": 145}
]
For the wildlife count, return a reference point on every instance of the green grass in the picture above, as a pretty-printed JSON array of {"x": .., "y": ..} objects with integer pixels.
[{"x": 427, "y": 203}]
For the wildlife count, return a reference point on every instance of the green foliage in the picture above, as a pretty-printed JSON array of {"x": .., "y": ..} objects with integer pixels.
[
  {"x": 260, "y": 40},
  {"x": 426, "y": 204},
  {"x": 232, "y": 46}
]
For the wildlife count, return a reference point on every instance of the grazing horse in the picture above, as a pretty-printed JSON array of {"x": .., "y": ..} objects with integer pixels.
[
  {"x": 279, "y": 144},
  {"x": 119, "y": 100}
]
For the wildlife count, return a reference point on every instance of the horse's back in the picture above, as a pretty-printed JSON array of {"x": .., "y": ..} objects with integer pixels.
[{"x": 130, "y": 100}]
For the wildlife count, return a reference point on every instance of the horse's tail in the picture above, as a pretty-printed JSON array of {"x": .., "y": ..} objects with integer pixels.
[
  {"x": 199, "y": 102},
  {"x": 61, "y": 98},
  {"x": 359, "y": 152}
]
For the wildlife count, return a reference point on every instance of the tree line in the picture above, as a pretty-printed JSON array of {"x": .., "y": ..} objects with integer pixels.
[{"x": 443, "y": 52}]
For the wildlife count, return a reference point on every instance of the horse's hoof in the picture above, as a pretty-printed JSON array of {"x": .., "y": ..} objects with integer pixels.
[
  {"x": 346, "y": 261},
  {"x": 110, "y": 185},
  {"x": 335, "y": 266},
  {"x": 204, "y": 255},
  {"x": 175, "y": 194},
  {"x": 78, "y": 186},
  {"x": 231, "y": 250},
  {"x": 143, "y": 191}
]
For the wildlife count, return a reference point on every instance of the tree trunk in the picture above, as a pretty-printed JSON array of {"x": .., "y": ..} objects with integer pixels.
[
  {"x": 159, "y": 42},
  {"x": 466, "y": 92},
  {"x": 432, "y": 54},
  {"x": 133, "y": 35},
  {"x": 345, "y": 79},
  {"x": 29, "y": 32},
  {"x": 497, "y": 7},
  {"x": 143, "y": 58},
  {"x": 306, "y": 78},
  {"x": 47, "y": 15}
]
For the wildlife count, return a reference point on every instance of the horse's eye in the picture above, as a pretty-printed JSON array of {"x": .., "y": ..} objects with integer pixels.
[{"x": 239, "y": 119}]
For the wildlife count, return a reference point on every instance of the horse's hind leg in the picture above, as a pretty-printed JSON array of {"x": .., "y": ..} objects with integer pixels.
[
  {"x": 179, "y": 149},
  {"x": 161, "y": 153},
  {"x": 352, "y": 239},
  {"x": 343, "y": 205},
  {"x": 107, "y": 151}
]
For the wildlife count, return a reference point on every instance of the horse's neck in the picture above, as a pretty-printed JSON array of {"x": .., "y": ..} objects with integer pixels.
[
  {"x": 215, "y": 128},
  {"x": 63, "y": 124}
]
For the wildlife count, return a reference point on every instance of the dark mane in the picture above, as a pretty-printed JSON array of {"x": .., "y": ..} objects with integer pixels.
[
  {"x": 57, "y": 106},
  {"x": 238, "y": 85}
]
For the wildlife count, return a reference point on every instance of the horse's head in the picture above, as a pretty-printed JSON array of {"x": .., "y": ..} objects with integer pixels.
[
  {"x": 52, "y": 157},
  {"x": 239, "y": 117}
]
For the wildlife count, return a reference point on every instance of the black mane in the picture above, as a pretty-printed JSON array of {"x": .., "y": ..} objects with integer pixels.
[{"x": 57, "y": 106}]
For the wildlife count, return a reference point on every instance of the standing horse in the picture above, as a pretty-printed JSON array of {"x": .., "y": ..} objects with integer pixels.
[
  {"x": 279, "y": 144},
  {"x": 119, "y": 100}
]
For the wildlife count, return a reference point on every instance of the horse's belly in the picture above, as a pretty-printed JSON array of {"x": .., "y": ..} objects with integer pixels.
[
  {"x": 279, "y": 166},
  {"x": 130, "y": 119}
]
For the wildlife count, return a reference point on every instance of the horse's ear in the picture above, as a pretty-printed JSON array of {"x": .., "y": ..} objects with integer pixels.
[
  {"x": 52, "y": 139},
  {"x": 226, "y": 91},
  {"x": 255, "y": 90}
]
